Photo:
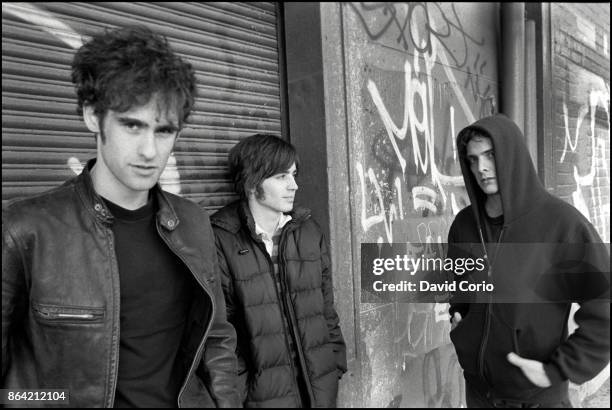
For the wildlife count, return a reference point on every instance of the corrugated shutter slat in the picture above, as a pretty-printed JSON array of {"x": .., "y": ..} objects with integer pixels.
[{"x": 232, "y": 46}]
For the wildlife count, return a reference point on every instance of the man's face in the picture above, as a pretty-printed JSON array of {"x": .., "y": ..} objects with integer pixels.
[
  {"x": 279, "y": 191},
  {"x": 137, "y": 145},
  {"x": 481, "y": 157}
]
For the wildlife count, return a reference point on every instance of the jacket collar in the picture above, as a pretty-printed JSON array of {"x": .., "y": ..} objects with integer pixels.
[
  {"x": 282, "y": 221},
  {"x": 166, "y": 215},
  {"x": 237, "y": 214}
]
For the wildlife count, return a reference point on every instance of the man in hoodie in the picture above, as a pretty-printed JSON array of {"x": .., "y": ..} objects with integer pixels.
[{"x": 519, "y": 354}]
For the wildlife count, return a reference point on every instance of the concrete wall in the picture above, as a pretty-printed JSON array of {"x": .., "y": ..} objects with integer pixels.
[
  {"x": 581, "y": 108},
  {"x": 399, "y": 81},
  {"x": 580, "y": 61},
  {"x": 404, "y": 79}
]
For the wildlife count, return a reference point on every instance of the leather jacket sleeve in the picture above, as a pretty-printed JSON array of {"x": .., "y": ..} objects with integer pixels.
[
  {"x": 335, "y": 334},
  {"x": 13, "y": 292},
  {"x": 219, "y": 354},
  {"x": 229, "y": 296}
]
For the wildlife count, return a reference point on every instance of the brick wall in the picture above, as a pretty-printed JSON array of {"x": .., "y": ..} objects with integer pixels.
[{"x": 581, "y": 104}]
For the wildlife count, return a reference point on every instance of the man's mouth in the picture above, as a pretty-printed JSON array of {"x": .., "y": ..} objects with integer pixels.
[{"x": 144, "y": 168}]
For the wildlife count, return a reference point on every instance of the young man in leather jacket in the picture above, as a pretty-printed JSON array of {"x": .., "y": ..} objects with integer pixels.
[
  {"x": 110, "y": 286},
  {"x": 277, "y": 283}
]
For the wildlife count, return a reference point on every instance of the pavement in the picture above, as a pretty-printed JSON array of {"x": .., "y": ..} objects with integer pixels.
[{"x": 599, "y": 399}]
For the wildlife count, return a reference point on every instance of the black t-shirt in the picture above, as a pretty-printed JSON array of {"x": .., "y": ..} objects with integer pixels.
[
  {"x": 156, "y": 291},
  {"x": 494, "y": 226}
]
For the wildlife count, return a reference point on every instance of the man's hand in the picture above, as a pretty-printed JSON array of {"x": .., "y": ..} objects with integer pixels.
[
  {"x": 532, "y": 369},
  {"x": 455, "y": 320}
]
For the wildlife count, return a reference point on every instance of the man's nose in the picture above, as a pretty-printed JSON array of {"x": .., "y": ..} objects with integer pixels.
[
  {"x": 483, "y": 166},
  {"x": 148, "y": 147},
  {"x": 292, "y": 183}
]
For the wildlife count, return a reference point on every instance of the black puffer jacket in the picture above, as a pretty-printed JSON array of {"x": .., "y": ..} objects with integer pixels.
[{"x": 255, "y": 309}]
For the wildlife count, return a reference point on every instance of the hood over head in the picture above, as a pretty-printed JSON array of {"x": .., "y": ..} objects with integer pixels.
[{"x": 517, "y": 180}]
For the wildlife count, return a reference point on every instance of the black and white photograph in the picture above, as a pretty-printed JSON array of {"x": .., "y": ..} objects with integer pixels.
[{"x": 286, "y": 204}]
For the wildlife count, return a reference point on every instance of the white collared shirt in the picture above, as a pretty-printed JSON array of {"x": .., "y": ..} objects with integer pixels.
[{"x": 266, "y": 238}]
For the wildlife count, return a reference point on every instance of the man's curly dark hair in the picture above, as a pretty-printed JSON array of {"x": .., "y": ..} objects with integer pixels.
[{"x": 123, "y": 68}]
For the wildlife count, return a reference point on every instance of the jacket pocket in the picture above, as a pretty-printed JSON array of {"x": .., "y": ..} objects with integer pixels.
[
  {"x": 508, "y": 380},
  {"x": 53, "y": 314},
  {"x": 467, "y": 337}
]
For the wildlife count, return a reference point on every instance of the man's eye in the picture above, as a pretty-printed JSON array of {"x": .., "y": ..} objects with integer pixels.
[
  {"x": 132, "y": 126},
  {"x": 166, "y": 132}
]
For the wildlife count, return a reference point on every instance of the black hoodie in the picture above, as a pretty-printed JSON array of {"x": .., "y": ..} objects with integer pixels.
[{"x": 538, "y": 331}]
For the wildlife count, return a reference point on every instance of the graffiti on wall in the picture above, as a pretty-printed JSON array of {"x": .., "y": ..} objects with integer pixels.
[
  {"x": 421, "y": 28},
  {"x": 420, "y": 331},
  {"x": 412, "y": 168},
  {"x": 592, "y": 186},
  {"x": 442, "y": 379},
  {"x": 409, "y": 21},
  {"x": 409, "y": 179},
  {"x": 46, "y": 21}
]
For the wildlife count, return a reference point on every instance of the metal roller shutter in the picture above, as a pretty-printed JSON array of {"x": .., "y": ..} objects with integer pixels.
[{"x": 233, "y": 48}]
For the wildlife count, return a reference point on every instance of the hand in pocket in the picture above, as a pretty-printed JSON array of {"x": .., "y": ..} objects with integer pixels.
[
  {"x": 532, "y": 369},
  {"x": 455, "y": 320}
]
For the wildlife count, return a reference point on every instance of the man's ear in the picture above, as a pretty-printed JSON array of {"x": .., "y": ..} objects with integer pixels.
[
  {"x": 91, "y": 119},
  {"x": 250, "y": 193}
]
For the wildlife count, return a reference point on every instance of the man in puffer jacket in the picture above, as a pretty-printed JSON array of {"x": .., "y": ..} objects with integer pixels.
[
  {"x": 519, "y": 354},
  {"x": 277, "y": 283}
]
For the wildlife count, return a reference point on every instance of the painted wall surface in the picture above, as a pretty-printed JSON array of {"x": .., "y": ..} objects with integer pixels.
[
  {"x": 581, "y": 115},
  {"x": 416, "y": 73},
  {"x": 581, "y": 84}
]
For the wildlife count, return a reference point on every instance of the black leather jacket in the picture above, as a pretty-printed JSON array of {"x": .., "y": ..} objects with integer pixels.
[{"x": 60, "y": 298}]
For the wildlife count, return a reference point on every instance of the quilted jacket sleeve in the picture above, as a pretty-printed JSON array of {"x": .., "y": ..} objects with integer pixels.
[
  {"x": 220, "y": 352},
  {"x": 230, "y": 304},
  {"x": 335, "y": 334}
]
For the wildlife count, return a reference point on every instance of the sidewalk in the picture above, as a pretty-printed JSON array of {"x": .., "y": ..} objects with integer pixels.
[{"x": 600, "y": 399}]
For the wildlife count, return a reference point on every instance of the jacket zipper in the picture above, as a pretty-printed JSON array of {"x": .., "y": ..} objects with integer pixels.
[
  {"x": 114, "y": 344},
  {"x": 487, "y": 324},
  {"x": 78, "y": 316},
  {"x": 212, "y": 317},
  {"x": 262, "y": 247},
  {"x": 292, "y": 319}
]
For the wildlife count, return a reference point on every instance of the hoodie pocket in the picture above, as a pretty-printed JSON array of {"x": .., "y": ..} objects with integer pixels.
[
  {"x": 58, "y": 315},
  {"x": 467, "y": 337},
  {"x": 507, "y": 380}
]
